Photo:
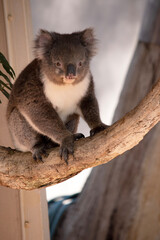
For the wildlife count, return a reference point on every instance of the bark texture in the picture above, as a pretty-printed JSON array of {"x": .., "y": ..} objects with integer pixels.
[
  {"x": 120, "y": 200},
  {"x": 18, "y": 170}
]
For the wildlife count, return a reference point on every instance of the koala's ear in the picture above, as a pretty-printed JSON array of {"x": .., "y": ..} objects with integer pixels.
[
  {"x": 89, "y": 41},
  {"x": 42, "y": 42}
]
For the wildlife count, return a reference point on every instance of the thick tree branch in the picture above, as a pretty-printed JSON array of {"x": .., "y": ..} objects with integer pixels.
[{"x": 19, "y": 171}]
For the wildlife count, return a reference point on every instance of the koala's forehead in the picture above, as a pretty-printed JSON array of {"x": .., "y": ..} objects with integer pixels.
[{"x": 68, "y": 48}]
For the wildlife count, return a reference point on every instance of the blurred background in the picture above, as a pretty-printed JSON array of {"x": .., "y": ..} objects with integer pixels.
[{"x": 116, "y": 24}]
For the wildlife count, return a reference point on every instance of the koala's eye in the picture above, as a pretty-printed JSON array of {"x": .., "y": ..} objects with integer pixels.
[
  {"x": 80, "y": 64},
  {"x": 58, "y": 64}
]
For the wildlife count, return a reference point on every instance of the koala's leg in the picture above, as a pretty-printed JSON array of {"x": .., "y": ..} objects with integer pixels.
[
  {"x": 90, "y": 112},
  {"x": 25, "y": 138},
  {"x": 72, "y": 123}
]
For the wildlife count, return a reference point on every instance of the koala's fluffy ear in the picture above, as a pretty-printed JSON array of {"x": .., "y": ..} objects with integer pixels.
[
  {"x": 89, "y": 41},
  {"x": 43, "y": 41}
]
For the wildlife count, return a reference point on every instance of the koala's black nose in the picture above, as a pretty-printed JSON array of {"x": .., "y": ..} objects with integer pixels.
[{"x": 71, "y": 70}]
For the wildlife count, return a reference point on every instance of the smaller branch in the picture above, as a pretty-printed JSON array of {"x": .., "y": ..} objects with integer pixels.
[{"x": 19, "y": 171}]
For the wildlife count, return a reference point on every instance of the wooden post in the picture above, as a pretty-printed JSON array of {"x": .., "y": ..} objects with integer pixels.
[
  {"x": 121, "y": 199},
  {"x": 23, "y": 214}
]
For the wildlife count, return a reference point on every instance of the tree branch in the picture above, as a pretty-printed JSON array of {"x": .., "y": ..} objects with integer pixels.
[{"x": 19, "y": 171}]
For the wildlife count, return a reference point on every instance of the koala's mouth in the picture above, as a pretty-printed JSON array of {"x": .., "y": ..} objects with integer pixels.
[{"x": 69, "y": 80}]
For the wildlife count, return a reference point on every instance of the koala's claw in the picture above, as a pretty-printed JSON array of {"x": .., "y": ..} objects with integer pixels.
[
  {"x": 98, "y": 129},
  {"x": 67, "y": 146},
  {"x": 64, "y": 152},
  {"x": 37, "y": 155},
  {"x": 77, "y": 136}
]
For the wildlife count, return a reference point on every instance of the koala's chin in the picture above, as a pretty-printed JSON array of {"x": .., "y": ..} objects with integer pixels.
[{"x": 69, "y": 80}]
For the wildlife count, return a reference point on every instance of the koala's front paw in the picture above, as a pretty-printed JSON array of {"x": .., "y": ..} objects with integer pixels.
[
  {"x": 67, "y": 146},
  {"x": 77, "y": 136},
  {"x": 98, "y": 129},
  {"x": 38, "y": 153}
]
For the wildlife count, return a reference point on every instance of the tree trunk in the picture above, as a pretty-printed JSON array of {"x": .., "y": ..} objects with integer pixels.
[{"x": 120, "y": 200}]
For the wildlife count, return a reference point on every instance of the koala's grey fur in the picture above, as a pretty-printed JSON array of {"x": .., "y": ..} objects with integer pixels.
[{"x": 52, "y": 92}]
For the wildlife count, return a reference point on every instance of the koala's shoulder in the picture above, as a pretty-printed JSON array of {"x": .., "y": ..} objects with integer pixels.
[{"x": 29, "y": 79}]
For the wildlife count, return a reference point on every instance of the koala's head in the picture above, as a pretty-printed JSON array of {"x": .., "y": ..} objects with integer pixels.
[{"x": 65, "y": 57}]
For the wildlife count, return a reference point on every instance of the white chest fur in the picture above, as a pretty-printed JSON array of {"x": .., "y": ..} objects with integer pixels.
[{"x": 65, "y": 98}]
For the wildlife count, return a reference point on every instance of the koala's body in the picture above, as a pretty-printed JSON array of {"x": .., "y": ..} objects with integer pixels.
[{"x": 52, "y": 92}]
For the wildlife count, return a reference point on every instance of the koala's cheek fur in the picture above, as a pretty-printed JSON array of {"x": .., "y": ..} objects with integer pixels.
[{"x": 58, "y": 72}]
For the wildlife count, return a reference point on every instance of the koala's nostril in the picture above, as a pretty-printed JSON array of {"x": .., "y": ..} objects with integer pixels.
[{"x": 71, "y": 70}]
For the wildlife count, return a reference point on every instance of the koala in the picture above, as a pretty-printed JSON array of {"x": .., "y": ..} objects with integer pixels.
[{"x": 52, "y": 92}]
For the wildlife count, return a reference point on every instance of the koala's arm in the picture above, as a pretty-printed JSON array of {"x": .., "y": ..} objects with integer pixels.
[
  {"x": 90, "y": 111},
  {"x": 29, "y": 99},
  {"x": 41, "y": 115},
  {"x": 44, "y": 119}
]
